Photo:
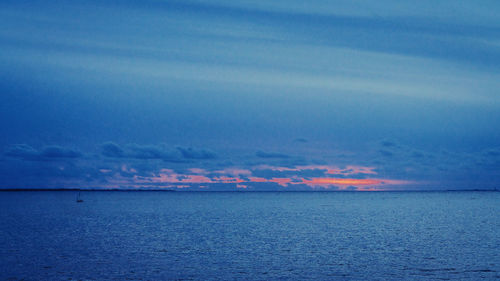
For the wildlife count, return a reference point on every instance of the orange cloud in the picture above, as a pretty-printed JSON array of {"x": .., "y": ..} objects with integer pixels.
[
  {"x": 256, "y": 179},
  {"x": 242, "y": 178},
  {"x": 198, "y": 171},
  {"x": 224, "y": 179},
  {"x": 344, "y": 182},
  {"x": 281, "y": 181},
  {"x": 340, "y": 181}
]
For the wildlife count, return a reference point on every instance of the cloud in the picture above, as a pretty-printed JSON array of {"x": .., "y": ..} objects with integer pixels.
[
  {"x": 351, "y": 182},
  {"x": 128, "y": 173},
  {"x": 160, "y": 152},
  {"x": 313, "y": 171},
  {"x": 291, "y": 179},
  {"x": 417, "y": 154},
  {"x": 263, "y": 154},
  {"x": 111, "y": 149},
  {"x": 59, "y": 152},
  {"x": 150, "y": 152},
  {"x": 489, "y": 159},
  {"x": 51, "y": 172},
  {"x": 435, "y": 167},
  {"x": 191, "y": 153},
  {"x": 303, "y": 140},
  {"x": 494, "y": 152},
  {"x": 22, "y": 151},
  {"x": 53, "y": 152},
  {"x": 388, "y": 143},
  {"x": 386, "y": 153},
  {"x": 406, "y": 169},
  {"x": 234, "y": 172}
]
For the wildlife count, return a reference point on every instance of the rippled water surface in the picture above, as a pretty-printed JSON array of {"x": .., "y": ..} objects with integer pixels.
[{"x": 256, "y": 236}]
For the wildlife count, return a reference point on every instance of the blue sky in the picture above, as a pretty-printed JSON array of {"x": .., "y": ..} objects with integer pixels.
[{"x": 253, "y": 95}]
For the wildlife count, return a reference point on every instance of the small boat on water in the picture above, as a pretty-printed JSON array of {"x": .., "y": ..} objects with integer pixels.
[{"x": 78, "y": 198}]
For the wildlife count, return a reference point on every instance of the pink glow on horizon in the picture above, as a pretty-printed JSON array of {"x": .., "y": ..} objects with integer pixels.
[
  {"x": 169, "y": 176},
  {"x": 224, "y": 179},
  {"x": 234, "y": 172},
  {"x": 242, "y": 178},
  {"x": 344, "y": 182},
  {"x": 340, "y": 181},
  {"x": 256, "y": 179},
  {"x": 280, "y": 181},
  {"x": 195, "y": 179}
]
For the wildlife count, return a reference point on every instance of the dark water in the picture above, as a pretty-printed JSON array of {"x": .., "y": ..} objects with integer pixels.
[{"x": 256, "y": 236}]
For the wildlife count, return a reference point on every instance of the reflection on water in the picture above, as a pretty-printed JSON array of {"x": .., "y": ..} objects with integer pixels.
[{"x": 257, "y": 236}]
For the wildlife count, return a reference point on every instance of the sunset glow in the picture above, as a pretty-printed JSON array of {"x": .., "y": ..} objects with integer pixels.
[{"x": 244, "y": 179}]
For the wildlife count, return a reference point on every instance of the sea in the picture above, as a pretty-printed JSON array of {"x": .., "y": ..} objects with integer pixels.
[{"x": 154, "y": 235}]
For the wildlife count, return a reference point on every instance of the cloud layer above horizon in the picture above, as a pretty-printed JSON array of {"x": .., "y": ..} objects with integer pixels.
[{"x": 250, "y": 95}]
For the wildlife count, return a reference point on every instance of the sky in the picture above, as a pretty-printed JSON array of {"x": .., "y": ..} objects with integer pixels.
[{"x": 247, "y": 95}]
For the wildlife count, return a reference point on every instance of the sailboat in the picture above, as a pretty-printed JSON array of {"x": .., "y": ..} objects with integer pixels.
[{"x": 78, "y": 199}]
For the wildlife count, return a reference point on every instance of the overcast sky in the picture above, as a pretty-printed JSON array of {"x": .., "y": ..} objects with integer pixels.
[{"x": 250, "y": 95}]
